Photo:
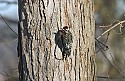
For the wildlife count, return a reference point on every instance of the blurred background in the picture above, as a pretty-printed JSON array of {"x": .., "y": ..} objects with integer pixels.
[
  {"x": 110, "y": 47},
  {"x": 8, "y": 40}
]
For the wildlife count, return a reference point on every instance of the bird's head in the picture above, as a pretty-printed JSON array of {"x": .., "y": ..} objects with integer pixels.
[{"x": 66, "y": 28}]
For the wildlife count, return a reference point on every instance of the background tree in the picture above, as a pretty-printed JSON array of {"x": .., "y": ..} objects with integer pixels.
[{"x": 38, "y": 21}]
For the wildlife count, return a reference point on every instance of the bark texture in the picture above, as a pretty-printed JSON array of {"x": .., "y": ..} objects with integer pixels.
[{"x": 39, "y": 20}]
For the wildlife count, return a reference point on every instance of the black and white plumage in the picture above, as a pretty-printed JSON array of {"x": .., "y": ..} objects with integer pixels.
[{"x": 63, "y": 40}]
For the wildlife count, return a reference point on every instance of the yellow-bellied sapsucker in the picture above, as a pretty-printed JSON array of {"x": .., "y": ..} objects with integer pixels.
[{"x": 63, "y": 40}]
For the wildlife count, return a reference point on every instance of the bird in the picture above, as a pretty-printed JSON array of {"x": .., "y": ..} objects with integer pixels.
[{"x": 63, "y": 39}]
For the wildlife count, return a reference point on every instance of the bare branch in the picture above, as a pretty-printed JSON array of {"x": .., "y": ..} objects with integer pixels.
[
  {"x": 107, "y": 77},
  {"x": 116, "y": 67},
  {"x": 119, "y": 23},
  {"x": 106, "y": 26},
  {"x": 9, "y": 26}
]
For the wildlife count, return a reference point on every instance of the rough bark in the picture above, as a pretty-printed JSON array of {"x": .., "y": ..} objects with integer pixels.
[{"x": 39, "y": 20}]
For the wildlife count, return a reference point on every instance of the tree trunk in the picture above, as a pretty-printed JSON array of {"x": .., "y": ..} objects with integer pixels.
[{"x": 39, "y": 20}]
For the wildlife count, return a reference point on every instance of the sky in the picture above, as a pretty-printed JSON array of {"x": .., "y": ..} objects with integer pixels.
[{"x": 9, "y": 11}]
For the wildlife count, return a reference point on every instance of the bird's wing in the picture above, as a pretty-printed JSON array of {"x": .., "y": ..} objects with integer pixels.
[{"x": 58, "y": 39}]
